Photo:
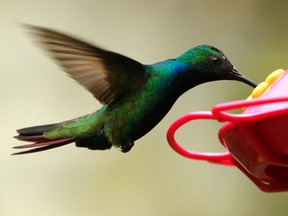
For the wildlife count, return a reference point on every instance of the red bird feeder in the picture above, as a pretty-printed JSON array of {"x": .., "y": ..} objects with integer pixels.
[{"x": 256, "y": 140}]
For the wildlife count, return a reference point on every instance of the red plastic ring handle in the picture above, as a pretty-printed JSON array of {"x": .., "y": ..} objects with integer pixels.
[
  {"x": 219, "y": 110},
  {"x": 222, "y": 158}
]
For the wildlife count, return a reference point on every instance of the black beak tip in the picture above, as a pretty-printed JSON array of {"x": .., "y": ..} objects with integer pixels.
[
  {"x": 254, "y": 85},
  {"x": 243, "y": 79},
  {"x": 250, "y": 82}
]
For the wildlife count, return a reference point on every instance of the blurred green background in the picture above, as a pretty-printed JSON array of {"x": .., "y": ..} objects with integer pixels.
[{"x": 151, "y": 179}]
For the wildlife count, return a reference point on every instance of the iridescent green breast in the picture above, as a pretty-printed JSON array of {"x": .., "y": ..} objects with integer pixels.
[{"x": 138, "y": 113}]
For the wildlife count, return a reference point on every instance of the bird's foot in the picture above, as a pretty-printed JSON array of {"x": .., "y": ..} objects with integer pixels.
[
  {"x": 126, "y": 147},
  {"x": 98, "y": 142}
]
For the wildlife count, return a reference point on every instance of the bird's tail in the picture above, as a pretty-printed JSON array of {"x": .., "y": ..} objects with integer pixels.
[{"x": 35, "y": 134}]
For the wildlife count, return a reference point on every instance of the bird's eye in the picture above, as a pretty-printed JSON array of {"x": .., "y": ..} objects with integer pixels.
[{"x": 216, "y": 60}]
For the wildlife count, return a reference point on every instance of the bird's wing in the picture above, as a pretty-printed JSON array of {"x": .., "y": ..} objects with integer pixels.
[{"x": 107, "y": 75}]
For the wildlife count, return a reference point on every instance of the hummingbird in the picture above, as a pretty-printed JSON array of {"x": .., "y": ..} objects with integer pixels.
[{"x": 135, "y": 96}]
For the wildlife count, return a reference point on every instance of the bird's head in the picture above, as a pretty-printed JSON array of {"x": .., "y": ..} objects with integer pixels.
[{"x": 208, "y": 63}]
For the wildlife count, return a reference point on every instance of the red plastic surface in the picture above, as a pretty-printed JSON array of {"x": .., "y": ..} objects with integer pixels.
[{"x": 256, "y": 140}]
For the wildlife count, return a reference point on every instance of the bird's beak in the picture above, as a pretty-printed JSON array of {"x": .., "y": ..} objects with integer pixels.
[{"x": 240, "y": 77}]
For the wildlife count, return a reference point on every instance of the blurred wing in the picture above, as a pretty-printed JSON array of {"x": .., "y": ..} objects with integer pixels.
[{"x": 107, "y": 75}]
